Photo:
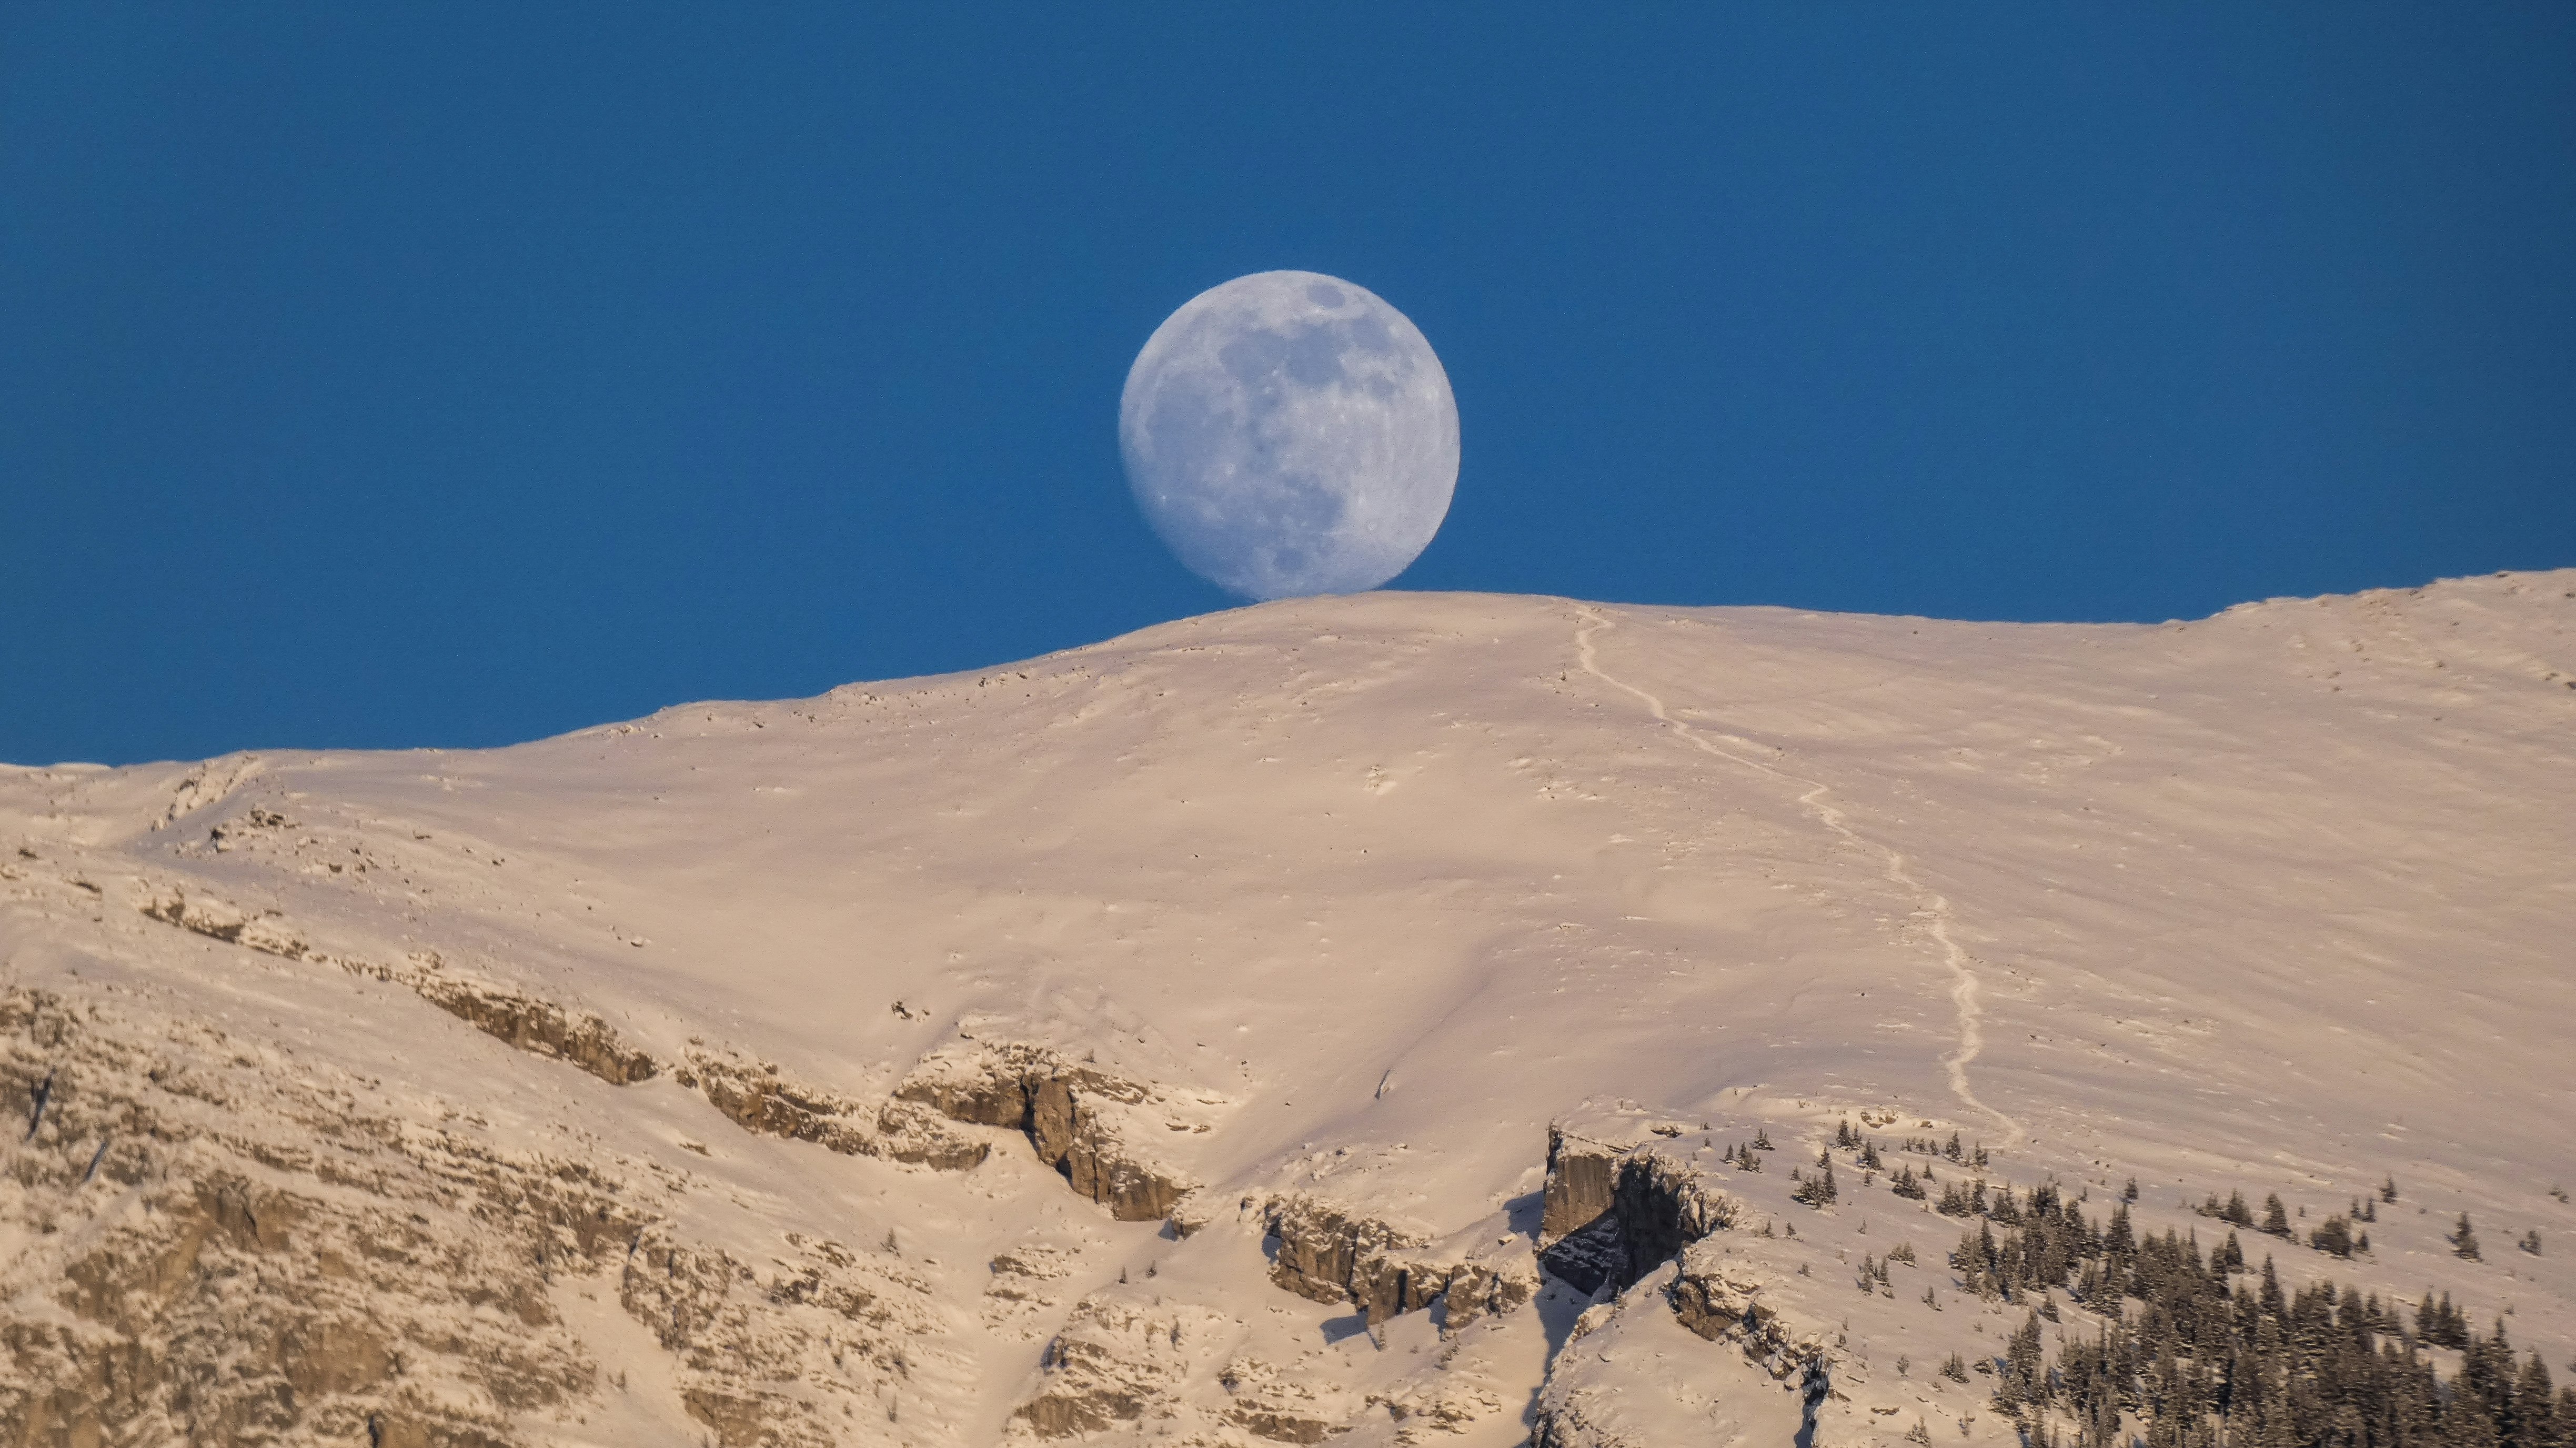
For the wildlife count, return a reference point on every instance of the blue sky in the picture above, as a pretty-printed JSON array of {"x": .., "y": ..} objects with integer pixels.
[{"x": 383, "y": 376}]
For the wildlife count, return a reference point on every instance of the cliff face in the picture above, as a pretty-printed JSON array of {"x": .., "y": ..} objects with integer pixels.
[
  {"x": 1079, "y": 1120},
  {"x": 1582, "y": 1182},
  {"x": 1404, "y": 1018},
  {"x": 1331, "y": 1253}
]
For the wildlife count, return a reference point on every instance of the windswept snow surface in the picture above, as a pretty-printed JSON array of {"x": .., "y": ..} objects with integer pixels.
[{"x": 1360, "y": 894}]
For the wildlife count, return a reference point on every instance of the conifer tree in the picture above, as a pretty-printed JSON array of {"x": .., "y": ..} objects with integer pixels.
[
  {"x": 2022, "y": 1378},
  {"x": 2535, "y": 1409},
  {"x": 1818, "y": 1190},
  {"x": 2276, "y": 1218},
  {"x": 2335, "y": 1237},
  {"x": 2463, "y": 1240}
]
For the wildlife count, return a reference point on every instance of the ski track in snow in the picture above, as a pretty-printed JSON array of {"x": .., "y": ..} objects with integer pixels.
[{"x": 1932, "y": 907}]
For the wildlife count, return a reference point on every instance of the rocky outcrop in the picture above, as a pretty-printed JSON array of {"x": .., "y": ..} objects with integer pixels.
[
  {"x": 757, "y": 1098},
  {"x": 1581, "y": 1175},
  {"x": 1663, "y": 1205},
  {"x": 221, "y": 1242},
  {"x": 721, "y": 1316},
  {"x": 1330, "y": 1253},
  {"x": 220, "y": 1288},
  {"x": 1591, "y": 1257},
  {"x": 1615, "y": 1210},
  {"x": 1115, "y": 1358},
  {"x": 752, "y": 1094},
  {"x": 524, "y": 1021},
  {"x": 1727, "y": 1297},
  {"x": 1270, "y": 1402},
  {"x": 539, "y": 1027},
  {"x": 1024, "y": 1286},
  {"x": 1075, "y": 1116},
  {"x": 218, "y": 920},
  {"x": 1608, "y": 1386}
]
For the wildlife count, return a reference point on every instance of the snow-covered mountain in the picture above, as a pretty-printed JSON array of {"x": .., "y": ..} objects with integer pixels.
[{"x": 1199, "y": 1036}]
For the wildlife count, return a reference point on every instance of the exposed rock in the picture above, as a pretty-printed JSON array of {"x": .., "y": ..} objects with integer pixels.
[
  {"x": 1070, "y": 1112},
  {"x": 1663, "y": 1204},
  {"x": 396, "y": 1429},
  {"x": 907, "y": 1131},
  {"x": 217, "y": 920},
  {"x": 753, "y": 1095},
  {"x": 208, "y": 784},
  {"x": 537, "y": 1026},
  {"x": 757, "y": 1098},
  {"x": 220, "y": 1290},
  {"x": 1579, "y": 1183},
  {"x": 1592, "y": 1255},
  {"x": 1657, "y": 1253},
  {"x": 524, "y": 1021},
  {"x": 1022, "y": 1282},
  {"x": 1438, "y": 1404},
  {"x": 1728, "y": 1297},
  {"x": 1611, "y": 1384},
  {"x": 738, "y": 1420},
  {"x": 1113, "y": 1360},
  {"x": 227, "y": 1245},
  {"x": 1615, "y": 1208},
  {"x": 1279, "y": 1427},
  {"x": 1329, "y": 1254},
  {"x": 1270, "y": 1403}
]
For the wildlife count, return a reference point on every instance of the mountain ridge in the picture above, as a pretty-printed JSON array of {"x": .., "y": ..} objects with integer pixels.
[{"x": 1318, "y": 915}]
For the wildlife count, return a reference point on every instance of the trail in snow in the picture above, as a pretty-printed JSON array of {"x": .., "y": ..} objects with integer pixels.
[{"x": 1932, "y": 907}]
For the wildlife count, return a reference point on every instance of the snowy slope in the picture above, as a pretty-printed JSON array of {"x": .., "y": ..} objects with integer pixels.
[{"x": 1321, "y": 909}]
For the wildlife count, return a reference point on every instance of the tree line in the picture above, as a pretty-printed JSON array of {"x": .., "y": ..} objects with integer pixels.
[
  {"x": 2203, "y": 1350},
  {"x": 2215, "y": 1355}
]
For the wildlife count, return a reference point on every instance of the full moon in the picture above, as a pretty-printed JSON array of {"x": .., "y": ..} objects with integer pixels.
[{"x": 1289, "y": 433}]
